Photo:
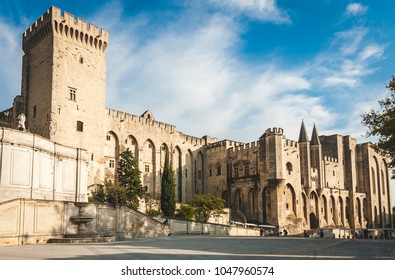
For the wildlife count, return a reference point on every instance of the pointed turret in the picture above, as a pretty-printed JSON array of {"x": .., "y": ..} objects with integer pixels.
[
  {"x": 315, "y": 140},
  {"x": 304, "y": 150},
  {"x": 316, "y": 156},
  {"x": 303, "y": 137}
]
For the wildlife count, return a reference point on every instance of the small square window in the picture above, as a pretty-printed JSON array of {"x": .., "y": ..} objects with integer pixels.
[
  {"x": 146, "y": 168},
  {"x": 108, "y": 138},
  {"x": 111, "y": 164}
]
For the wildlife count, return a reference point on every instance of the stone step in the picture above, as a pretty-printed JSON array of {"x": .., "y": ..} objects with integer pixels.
[{"x": 98, "y": 239}]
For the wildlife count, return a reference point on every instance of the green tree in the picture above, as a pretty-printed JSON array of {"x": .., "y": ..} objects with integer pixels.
[
  {"x": 130, "y": 189},
  {"x": 207, "y": 205},
  {"x": 108, "y": 193},
  {"x": 381, "y": 123},
  {"x": 185, "y": 212},
  {"x": 168, "y": 190}
]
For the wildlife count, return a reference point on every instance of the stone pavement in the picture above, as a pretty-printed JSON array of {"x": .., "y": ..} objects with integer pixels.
[{"x": 195, "y": 247}]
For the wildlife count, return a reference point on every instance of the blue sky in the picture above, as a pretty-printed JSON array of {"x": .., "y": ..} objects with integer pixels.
[{"x": 231, "y": 69}]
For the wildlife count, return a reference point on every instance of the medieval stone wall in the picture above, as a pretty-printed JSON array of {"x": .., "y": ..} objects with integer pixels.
[{"x": 36, "y": 168}]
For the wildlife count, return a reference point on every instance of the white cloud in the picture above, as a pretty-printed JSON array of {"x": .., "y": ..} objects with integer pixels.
[
  {"x": 348, "y": 59},
  {"x": 356, "y": 9},
  {"x": 194, "y": 76},
  {"x": 349, "y": 41},
  {"x": 334, "y": 81},
  {"x": 11, "y": 57},
  {"x": 372, "y": 50},
  {"x": 264, "y": 10}
]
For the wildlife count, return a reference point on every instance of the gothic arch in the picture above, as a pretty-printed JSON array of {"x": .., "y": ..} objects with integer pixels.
[
  {"x": 324, "y": 204},
  {"x": 177, "y": 165},
  {"x": 164, "y": 151},
  {"x": 365, "y": 211},
  {"x": 359, "y": 210},
  {"x": 375, "y": 217},
  {"x": 386, "y": 180},
  {"x": 199, "y": 173},
  {"x": 148, "y": 159},
  {"x": 373, "y": 188},
  {"x": 132, "y": 144},
  {"x": 188, "y": 174},
  {"x": 383, "y": 182},
  {"x": 111, "y": 154},
  {"x": 341, "y": 211},
  {"x": 333, "y": 210},
  {"x": 314, "y": 212},
  {"x": 251, "y": 202},
  {"x": 239, "y": 200},
  {"x": 290, "y": 199},
  {"x": 266, "y": 199},
  {"x": 304, "y": 200},
  {"x": 377, "y": 173},
  {"x": 225, "y": 198},
  {"x": 347, "y": 211}
]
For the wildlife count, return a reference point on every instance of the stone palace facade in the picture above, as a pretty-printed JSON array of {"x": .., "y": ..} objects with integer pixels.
[{"x": 59, "y": 139}]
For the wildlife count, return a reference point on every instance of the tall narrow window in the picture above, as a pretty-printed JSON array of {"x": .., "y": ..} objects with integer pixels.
[
  {"x": 289, "y": 168},
  {"x": 111, "y": 163},
  {"x": 219, "y": 171},
  {"x": 34, "y": 111},
  {"x": 80, "y": 126},
  {"x": 236, "y": 172},
  {"x": 247, "y": 170}
]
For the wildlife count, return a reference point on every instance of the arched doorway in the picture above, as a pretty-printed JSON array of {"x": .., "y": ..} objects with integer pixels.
[
  {"x": 177, "y": 165},
  {"x": 313, "y": 221}
]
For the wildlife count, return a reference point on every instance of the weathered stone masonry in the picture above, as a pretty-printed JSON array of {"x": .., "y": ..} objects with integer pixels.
[{"x": 313, "y": 182}]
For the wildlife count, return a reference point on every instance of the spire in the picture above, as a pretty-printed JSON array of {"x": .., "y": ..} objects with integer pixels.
[
  {"x": 303, "y": 134},
  {"x": 315, "y": 140}
]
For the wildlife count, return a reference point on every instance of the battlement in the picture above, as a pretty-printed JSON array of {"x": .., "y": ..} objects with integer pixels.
[
  {"x": 244, "y": 147},
  {"x": 274, "y": 131},
  {"x": 330, "y": 160},
  {"x": 194, "y": 140},
  {"x": 221, "y": 145},
  {"x": 291, "y": 143},
  {"x": 126, "y": 117},
  {"x": 64, "y": 24}
]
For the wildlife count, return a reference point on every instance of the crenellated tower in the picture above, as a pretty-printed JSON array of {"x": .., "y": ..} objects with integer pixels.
[
  {"x": 271, "y": 154},
  {"x": 64, "y": 78}
]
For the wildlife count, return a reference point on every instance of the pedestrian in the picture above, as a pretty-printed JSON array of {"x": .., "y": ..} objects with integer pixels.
[{"x": 285, "y": 232}]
